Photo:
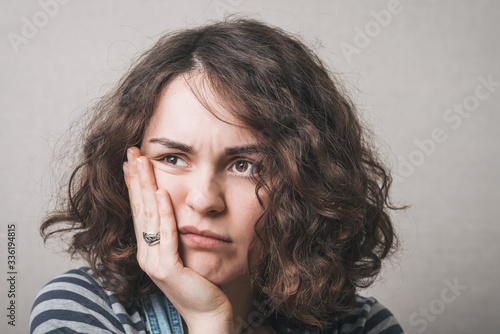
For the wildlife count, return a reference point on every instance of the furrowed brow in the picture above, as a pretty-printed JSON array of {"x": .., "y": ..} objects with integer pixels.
[
  {"x": 243, "y": 150},
  {"x": 173, "y": 144}
]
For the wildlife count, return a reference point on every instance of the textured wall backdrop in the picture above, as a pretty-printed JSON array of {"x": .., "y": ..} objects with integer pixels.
[{"x": 426, "y": 77}]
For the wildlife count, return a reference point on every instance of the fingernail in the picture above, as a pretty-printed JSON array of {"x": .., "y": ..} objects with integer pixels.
[
  {"x": 130, "y": 156},
  {"x": 125, "y": 169},
  {"x": 139, "y": 165}
]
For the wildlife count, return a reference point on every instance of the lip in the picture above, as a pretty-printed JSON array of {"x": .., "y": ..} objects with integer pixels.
[{"x": 202, "y": 238}]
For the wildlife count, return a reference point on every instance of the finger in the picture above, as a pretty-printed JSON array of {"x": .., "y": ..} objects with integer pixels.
[
  {"x": 148, "y": 192},
  {"x": 168, "y": 227},
  {"x": 126, "y": 174},
  {"x": 134, "y": 191}
]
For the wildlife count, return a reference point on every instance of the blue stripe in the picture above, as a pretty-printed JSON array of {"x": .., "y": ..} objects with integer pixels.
[
  {"x": 90, "y": 281},
  {"x": 81, "y": 282},
  {"x": 127, "y": 321},
  {"x": 64, "y": 330},
  {"x": 377, "y": 318},
  {"x": 50, "y": 315},
  {"x": 87, "y": 303},
  {"x": 362, "y": 301},
  {"x": 96, "y": 289},
  {"x": 354, "y": 316},
  {"x": 394, "y": 329}
]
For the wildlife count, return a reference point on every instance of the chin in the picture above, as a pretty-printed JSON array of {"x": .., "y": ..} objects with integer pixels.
[
  {"x": 212, "y": 268},
  {"x": 214, "y": 275}
]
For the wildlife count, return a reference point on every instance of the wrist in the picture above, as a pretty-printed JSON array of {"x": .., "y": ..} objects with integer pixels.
[
  {"x": 211, "y": 328},
  {"x": 211, "y": 324}
]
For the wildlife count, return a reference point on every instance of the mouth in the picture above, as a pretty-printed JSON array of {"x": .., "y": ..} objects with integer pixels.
[{"x": 202, "y": 238}]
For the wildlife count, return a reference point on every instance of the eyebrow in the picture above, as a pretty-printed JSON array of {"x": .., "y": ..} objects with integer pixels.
[
  {"x": 249, "y": 149},
  {"x": 173, "y": 144}
]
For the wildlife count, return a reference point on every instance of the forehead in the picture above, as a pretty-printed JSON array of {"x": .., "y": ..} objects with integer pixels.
[{"x": 181, "y": 114}]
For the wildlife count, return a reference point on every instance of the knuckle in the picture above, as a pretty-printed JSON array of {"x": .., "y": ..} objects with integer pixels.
[
  {"x": 136, "y": 208},
  {"x": 149, "y": 216},
  {"x": 146, "y": 183}
]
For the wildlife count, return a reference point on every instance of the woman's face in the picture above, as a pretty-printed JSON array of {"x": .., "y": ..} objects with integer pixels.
[{"x": 206, "y": 167}]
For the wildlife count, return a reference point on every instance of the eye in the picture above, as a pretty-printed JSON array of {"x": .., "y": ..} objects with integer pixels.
[
  {"x": 174, "y": 160},
  {"x": 243, "y": 167}
]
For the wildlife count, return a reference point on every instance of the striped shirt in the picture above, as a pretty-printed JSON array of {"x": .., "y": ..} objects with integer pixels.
[{"x": 75, "y": 302}]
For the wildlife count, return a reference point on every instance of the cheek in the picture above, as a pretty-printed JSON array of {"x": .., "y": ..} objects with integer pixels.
[
  {"x": 172, "y": 184},
  {"x": 244, "y": 209},
  {"x": 248, "y": 210}
]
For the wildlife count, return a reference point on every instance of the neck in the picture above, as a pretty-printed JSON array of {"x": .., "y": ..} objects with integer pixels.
[
  {"x": 248, "y": 312},
  {"x": 244, "y": 302}
]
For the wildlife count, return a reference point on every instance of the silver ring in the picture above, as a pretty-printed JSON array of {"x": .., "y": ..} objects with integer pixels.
[{"x": 151, "y": 238}]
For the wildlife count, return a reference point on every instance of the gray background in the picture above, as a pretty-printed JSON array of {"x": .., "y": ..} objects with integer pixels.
[{"x": 430, "y": 57}]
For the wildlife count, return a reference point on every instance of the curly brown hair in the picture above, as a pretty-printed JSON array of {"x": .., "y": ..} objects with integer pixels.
[{"x": 326, "y": 226}]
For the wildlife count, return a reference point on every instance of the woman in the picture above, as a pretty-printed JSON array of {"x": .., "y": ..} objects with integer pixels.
[{"x": 226, "y": 186}]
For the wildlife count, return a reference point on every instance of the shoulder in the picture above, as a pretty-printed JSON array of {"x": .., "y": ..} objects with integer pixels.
[
  {"x": 76, "y": 302},
  {"x": 368, "y": 317}
]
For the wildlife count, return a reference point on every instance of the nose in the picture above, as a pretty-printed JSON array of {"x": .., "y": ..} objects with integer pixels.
[{"x": 206, "y": 195}]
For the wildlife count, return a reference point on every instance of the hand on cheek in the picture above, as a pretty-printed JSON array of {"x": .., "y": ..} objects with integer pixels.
[{"x": 200, "y": 302}]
